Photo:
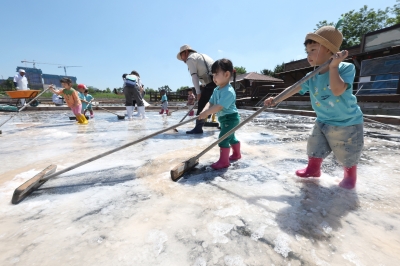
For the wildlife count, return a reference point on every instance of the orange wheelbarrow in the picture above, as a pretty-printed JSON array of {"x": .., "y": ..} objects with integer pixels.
[{"x": 23, "y": 94}]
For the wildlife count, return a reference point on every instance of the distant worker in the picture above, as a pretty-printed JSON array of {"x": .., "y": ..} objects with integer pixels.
[
  {"x": 164, "y": 102},
  {"x": 190, "y": 102},
  {"x": 57, "y": 100},
  {"x": 132, "y": 87},
  {"x": 199, "y": 66},
  {"x": 21, "y": 83}
]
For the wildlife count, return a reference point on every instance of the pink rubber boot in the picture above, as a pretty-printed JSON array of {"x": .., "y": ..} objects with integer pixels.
[
  {"x": 223, "y": 161},
  {"x": 313, "y": 168},
  {"x": 161, "y": 112},
  {"x": 191, "y": 113},
  {"x": 350, "y": 177},
  {"x": 236, "y": 152},
  {"x": 166, "y": 112}
]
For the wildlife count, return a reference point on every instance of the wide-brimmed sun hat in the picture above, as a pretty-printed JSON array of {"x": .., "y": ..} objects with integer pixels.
[
  {"x": 328, "y": 36},
  {"x": 184, "y": 48}
]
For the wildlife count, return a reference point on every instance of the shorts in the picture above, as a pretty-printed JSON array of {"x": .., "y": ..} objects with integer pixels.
[{"x": 345, "y": 142}]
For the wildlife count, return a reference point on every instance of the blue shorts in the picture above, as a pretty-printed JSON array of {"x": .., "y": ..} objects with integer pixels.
[{"x": 345, "y": 142}]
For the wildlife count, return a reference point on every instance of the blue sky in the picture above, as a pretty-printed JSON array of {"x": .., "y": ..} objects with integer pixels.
[{"x": 109, "y": 38}]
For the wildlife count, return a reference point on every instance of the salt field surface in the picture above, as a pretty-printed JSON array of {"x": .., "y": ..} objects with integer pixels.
[{"x": 124, "y": 209}]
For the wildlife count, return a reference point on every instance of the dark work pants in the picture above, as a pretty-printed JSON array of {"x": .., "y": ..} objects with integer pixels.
[
  {"x": 132, "y": 93},
  {"x": 206, "y": 93}
]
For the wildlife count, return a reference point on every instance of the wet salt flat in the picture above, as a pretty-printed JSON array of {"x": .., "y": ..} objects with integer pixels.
[{"x": 124, "y": 209}]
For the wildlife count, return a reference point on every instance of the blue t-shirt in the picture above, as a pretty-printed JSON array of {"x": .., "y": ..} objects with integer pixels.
[
  {"x": 226, "y": 97},
  {"x": 88, "y": 98},
  {"x": 330, "y": 109},
  {"x": 164, "y": 98}
]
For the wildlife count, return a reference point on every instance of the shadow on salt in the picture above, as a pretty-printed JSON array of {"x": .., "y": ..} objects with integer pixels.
[{"x": 82, "y": 181}]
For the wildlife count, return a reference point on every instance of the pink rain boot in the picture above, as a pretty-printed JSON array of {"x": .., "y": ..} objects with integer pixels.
[
  {"x": 166, "y": 112},
  {"x": 350, "y": 177},
  {"x": 223, "y": 161},
  {"x": 161, "y": 112},
  {"x": 236, "y": 152},
  {"x": 191, "y": 113},
  {"x": 313, "y": 168}
]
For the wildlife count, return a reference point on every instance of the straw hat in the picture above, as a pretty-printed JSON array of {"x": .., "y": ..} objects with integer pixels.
[
  {"x": 184, "y": 48},
  {"x": 328, "y": 36}
]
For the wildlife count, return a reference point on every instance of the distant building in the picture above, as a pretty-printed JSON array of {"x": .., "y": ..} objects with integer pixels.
[
  {"x": 37, "y": 80},
  {"x": 55, "y": 79}
]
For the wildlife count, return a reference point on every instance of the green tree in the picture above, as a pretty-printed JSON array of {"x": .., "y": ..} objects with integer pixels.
[
  {"x": 240, "y": 70},
  {"x": 149, "y": 90},
  {"x": 108, "y": 90},
  {"x": 272, "y": 73},
  {"x": 357, "y": 23},
  {"x": 182, "y": 88},
  {"x": 396, "y": 12},
  {"x": 92, "y": 89},
  {"x": 166, "y": 88},
  {"x": 7, "y": 85}
]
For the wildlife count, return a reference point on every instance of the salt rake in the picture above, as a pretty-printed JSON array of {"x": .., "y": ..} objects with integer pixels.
[
  {"x": 179, "y": 108},
  {"x": 119, "y": 116},
  {"x": 35, "y": 182},
  {"x": 195, "y": 104},
  {"x": 178, "y": 171}
]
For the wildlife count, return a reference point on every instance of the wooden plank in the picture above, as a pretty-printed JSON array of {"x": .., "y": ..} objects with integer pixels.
[{"x": 29, "y": 186}]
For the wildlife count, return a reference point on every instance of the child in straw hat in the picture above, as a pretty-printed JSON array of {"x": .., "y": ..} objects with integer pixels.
[{"x": 339, "y": 123}]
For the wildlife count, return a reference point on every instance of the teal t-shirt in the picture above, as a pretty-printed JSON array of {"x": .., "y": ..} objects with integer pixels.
[
  {"x": 81, "y": 95},
  {"x": 88, "y": 98},
  {"x": 226, "y": 97},
  {"x": 164, "y": 98},
  {"x": 341, "y": 110}
]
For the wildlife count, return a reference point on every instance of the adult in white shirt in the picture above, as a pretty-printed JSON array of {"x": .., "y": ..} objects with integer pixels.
[
  {"x": 21, "y": 82},
  {"x": 199, "y": 66},
  {"x": 57, "y": 100}
]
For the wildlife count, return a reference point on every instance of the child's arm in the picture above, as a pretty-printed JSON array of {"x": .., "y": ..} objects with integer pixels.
[
  {"x": 53, "y": 90},
  {"x": 336, "y": 83},
  {"x": 210, "y": 109}
]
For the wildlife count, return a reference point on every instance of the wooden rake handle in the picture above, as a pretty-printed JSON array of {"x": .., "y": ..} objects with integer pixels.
[
  {"x": 116, "y": 149},
  {"x": 195, "y": 104},
  {"x": 107, "y": 110},
  {"x": 280, "y": 97}
]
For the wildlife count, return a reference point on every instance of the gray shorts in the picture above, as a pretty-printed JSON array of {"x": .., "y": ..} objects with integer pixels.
[
  {"x": 345, "y": 142},
  {"x": 164, "y": 105}
]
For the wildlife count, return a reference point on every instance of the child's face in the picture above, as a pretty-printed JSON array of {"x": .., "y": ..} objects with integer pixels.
[
  {"x": 317, "y": 54},
  {"x": 221, "y": 77},
  {"x": 66, "y": 85},
  {"x": 190, "y": 92}
]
